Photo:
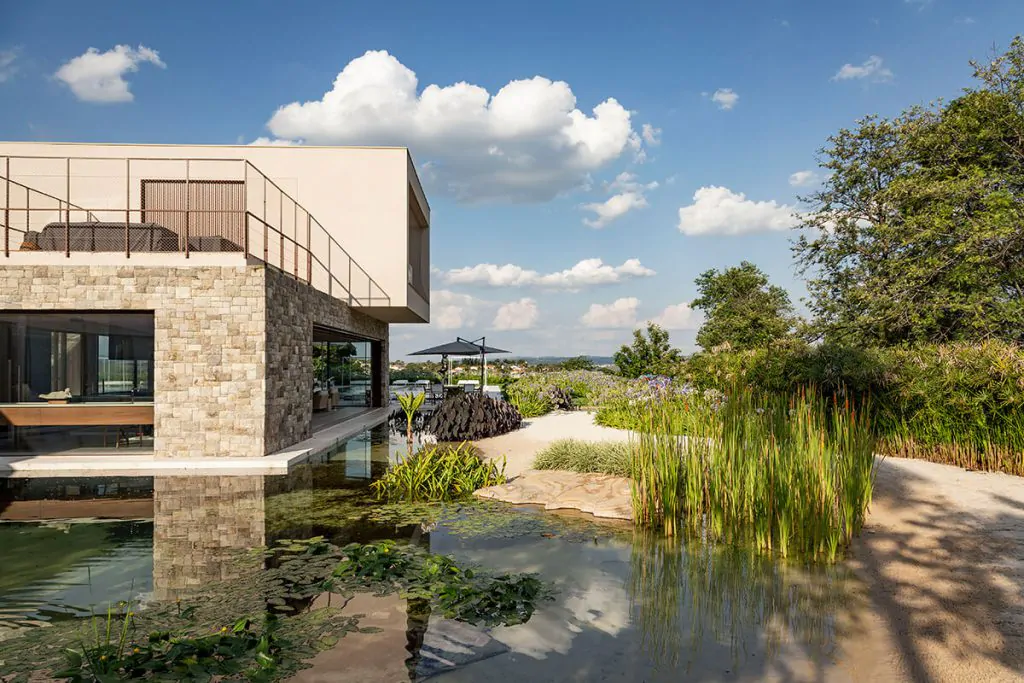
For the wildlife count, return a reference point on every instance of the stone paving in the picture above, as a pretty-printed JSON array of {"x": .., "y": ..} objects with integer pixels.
[{"x": 602, "y": 495}]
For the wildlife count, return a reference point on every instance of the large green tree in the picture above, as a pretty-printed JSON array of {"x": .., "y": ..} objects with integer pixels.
[
  {"x": 917, "y": 234},
  {"x": 650, "y": 354},
  {"x": 741, "y": 308}
]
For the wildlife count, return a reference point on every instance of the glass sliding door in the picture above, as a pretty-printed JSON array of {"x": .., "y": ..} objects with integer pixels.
[
  {"x": 56, "y": 367},
  {"x": 343, "y": 366}
]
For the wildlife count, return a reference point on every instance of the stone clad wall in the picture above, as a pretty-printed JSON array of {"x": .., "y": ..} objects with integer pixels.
[
  {"x": 292, "y": 309},
  {"x": 233, "y": 364},
  {"x": 209, "y": 365}
]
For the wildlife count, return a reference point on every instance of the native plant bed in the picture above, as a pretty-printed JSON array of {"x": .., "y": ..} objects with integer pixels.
[
  {"x": 440, "y": 472},
  {"x": 205, "y": 641}
]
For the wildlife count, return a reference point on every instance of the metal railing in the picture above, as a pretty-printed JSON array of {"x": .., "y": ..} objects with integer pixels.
[{"x": 136, "y": 205}]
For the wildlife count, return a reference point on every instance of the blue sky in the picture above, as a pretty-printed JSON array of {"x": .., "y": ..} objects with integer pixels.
[{"x": 718, "y": 104}]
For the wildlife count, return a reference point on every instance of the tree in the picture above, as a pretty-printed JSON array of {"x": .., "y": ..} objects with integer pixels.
[
  {"x": 648, "y": 355},
  {"x": 916, "y": 234},
  {"x": 741, "y": 308},
  {"x": 578, "y": 363}
]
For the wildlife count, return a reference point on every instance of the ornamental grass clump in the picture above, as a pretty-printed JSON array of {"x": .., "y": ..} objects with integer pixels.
[
  {"x": 791, "y": 474},
  {"x": 438, "y": 473},
  {"x": 602, "y": 457}
]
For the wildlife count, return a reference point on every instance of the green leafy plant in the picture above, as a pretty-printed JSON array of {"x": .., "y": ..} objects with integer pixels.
[
  {"x": 113, "y": 653},
  {"x": 605, "y": 457},
  {"x": 459, "y": 593},
  {"x": 411, "y": 402},
  {"x": 438, "y": 472}
]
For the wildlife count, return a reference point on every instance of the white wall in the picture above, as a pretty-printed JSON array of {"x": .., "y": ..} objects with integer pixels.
[{"x": 359, "y": 195}]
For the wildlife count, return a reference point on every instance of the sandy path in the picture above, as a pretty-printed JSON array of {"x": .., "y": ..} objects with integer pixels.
[
  {"x": 521, "y": 446},
  {"x": 942, "y": 560},
  {"x": 940, "y": 563}
]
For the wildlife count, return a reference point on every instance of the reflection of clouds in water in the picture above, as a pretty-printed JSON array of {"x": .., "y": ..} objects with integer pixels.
[
  {"x": 545, "y": 633},
  {"x": 603, "y": 605},
  {"x": 589, "y": 579}
]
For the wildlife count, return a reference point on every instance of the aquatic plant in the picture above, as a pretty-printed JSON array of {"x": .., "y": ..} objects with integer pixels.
[
  {"x": 783, "y": 473},
  {"x": 458, "y": 592},
  {"x": 113, "y": 653},
  {"x": 411, "y": 402},
  {"x": 604, "y": 457},
  {"x": 438, "y": 472},
  {"x": 468, "y": 417}
]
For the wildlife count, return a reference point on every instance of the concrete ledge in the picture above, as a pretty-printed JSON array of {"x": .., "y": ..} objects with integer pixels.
[{"x": 28, "y": 466}]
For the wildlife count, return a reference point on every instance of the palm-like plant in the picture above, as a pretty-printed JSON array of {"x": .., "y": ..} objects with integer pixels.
[{"x": 410, "y": 403}]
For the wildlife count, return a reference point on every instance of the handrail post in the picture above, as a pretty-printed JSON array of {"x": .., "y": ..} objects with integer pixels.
[
  {"x": 188, "y": 202},
  {"x": 280, "y": 227},
  {"x": 349, "y": 280},
  {"x": 7, "y": 209},
  {"x": 309, "y": 249},
  {"x": 295, "y": 240},
  {"x": 266, "y": 233},
  {"x": 330, "y": 273},
  {"x": 127, "y": 206},
  {"x": 67, "y": 211},
  {"x": 245, "y": 207}
]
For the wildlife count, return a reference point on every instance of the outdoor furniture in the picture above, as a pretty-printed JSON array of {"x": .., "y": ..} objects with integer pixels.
[
  {"x": 321, "y": 401},
  {"x": 492, "y": 390},
  {"x": 148, "y": 237}
]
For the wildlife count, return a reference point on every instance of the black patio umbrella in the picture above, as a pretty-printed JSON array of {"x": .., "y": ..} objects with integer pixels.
[{"x": 462, "y": 347}]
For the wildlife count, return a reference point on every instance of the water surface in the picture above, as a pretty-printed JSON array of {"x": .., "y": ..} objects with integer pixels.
[{"x": 628, "y": 606}]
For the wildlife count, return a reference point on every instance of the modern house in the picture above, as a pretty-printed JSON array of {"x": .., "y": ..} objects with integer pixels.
[{"x": 189, "y": 299}]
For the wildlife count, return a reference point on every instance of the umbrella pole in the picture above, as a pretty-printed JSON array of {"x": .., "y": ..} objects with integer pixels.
[{"x": 483, "y": 357}]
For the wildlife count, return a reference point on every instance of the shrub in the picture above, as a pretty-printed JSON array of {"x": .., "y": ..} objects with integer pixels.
[
  {"x": 540, "y": 393},
  {"x": 441, "y": 472},
  {"x": 604, "y": 457},
  {"x": 960, "y": 404},
  {"x": 468, "y": 417},
  {"x": 791, "y": 474}
]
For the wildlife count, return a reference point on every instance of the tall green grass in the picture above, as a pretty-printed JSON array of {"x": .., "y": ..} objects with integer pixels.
[{"x": 791, "y": 474}]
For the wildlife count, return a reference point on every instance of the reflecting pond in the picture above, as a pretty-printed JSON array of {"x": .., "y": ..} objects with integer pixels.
[{"x": 626, "y": 606}]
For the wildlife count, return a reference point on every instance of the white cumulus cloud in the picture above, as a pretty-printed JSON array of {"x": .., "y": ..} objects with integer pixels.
[
  {"x": 451, "y": 310},
  {"x": 99, "y": 76},
  {"x": 586, "y": 273},
  {"x": 725, "y": 98},
  {"x": 803, "y": 179},
  {"x": 527, "y": 142},
  {"x": 8, "y": 65},
  {"x": 517, "y": 315},
  {"x": 627, "y": 194},
  {"x": 678, "y": 317},
  {"x": 621, "y": 313},
  {"x": 720, "y": 211},
  {"x": 873, "y": 69},
  {"x": 651, "y": 135},
  {"x": 612, "y": 208},
  {"x": 275, "y": 142}
]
